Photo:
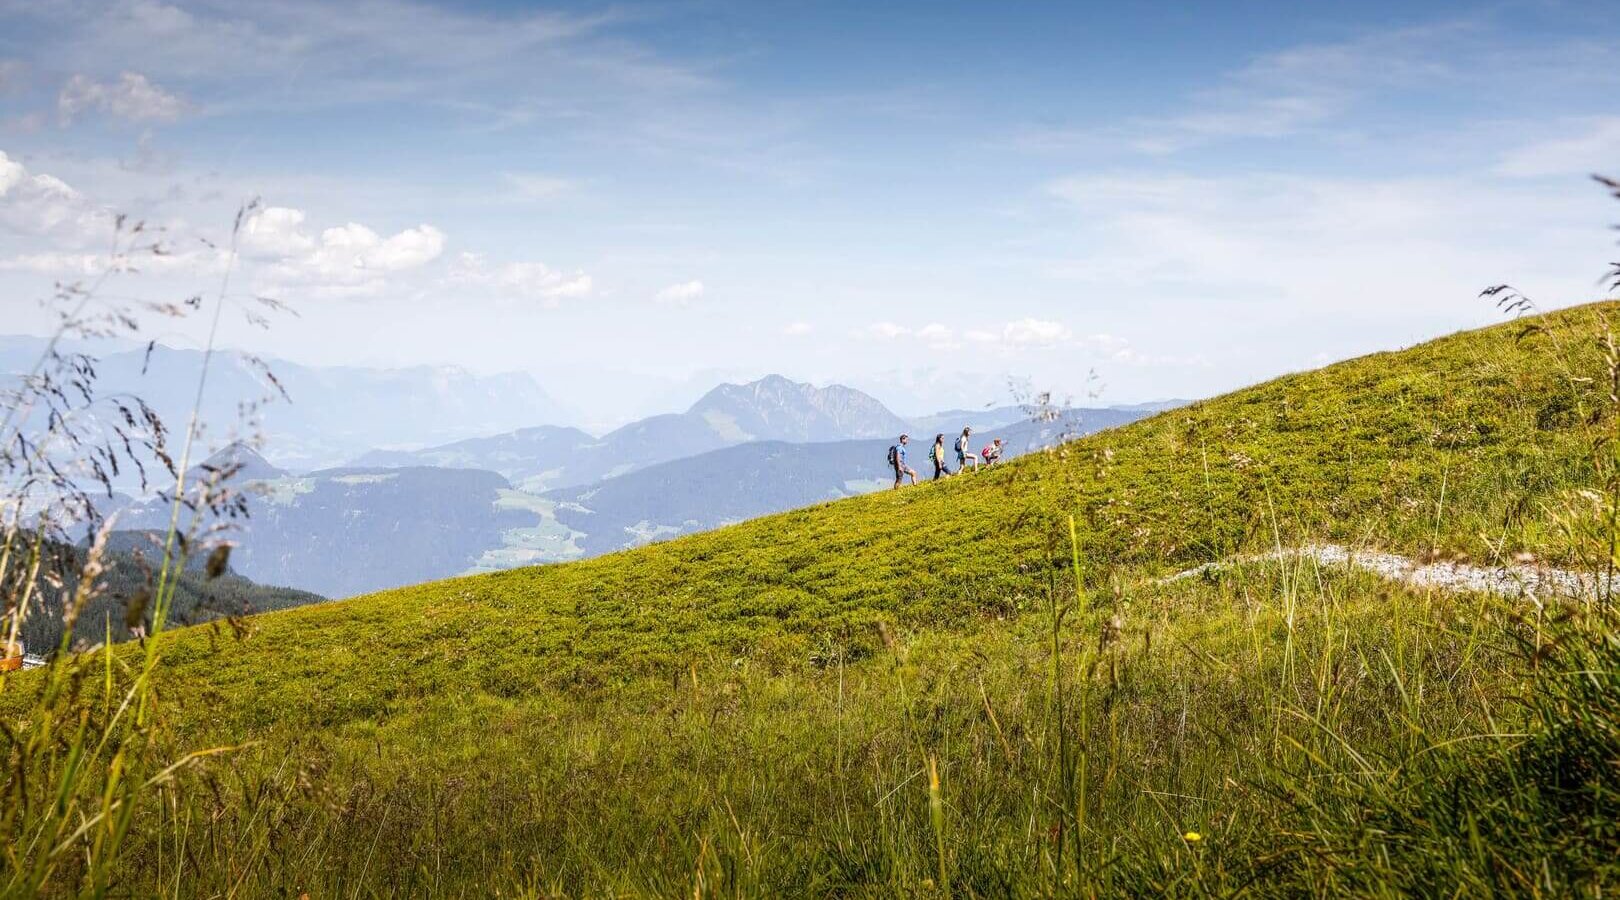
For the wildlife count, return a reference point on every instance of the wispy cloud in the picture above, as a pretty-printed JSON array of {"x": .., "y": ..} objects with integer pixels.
[
  {"x": 316, "y": 54},
  {"x": 1586, "y": 146},
  {"x": 539, "y": 186},
  {"x": 1017, "y": 338},
  {"x": 1322, "y": 88},
  {"x": 131, "y": 97},
  {"x": 524, "y": 280},
  {"x": 680, "y": 294}
]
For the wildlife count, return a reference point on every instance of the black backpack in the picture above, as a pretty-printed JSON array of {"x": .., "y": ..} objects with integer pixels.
[{"x": 894, "y": 454}]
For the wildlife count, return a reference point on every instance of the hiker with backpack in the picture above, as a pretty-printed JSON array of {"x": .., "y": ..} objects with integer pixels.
[
  {"x": 964, "y": 451},
  {"x": 937, "y": 457},
  {"x": 897, "y": 459},
  {"x": 992, "y": 452}
]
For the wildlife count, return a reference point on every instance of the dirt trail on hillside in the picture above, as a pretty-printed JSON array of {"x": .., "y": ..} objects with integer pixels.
[{"x": 1510, "y": 580}]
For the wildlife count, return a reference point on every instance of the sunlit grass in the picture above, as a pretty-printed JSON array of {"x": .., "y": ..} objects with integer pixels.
[{"x": 982, "y": 687}]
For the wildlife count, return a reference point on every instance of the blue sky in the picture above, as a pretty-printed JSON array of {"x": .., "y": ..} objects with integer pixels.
[{"x": 633, "y": 201}]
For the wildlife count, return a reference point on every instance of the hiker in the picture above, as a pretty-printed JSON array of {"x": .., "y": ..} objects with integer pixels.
[
  {"x": 937, "y": 456},
  {"x": 897, "y": 458},
  {"x": 992, "y": 452},
  {"x": 963, "y": 453}
]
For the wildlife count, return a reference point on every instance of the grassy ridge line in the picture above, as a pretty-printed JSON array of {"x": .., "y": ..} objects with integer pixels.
[{"x": 1450, "y": 445}]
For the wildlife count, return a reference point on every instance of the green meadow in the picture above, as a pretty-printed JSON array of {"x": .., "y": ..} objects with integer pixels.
[{"x": 983, "y": 687}]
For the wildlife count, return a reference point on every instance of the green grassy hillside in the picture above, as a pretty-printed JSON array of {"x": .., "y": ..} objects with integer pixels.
[
  {"x": 904, "y": 693},
  {"x": 1446, "y": 447}
]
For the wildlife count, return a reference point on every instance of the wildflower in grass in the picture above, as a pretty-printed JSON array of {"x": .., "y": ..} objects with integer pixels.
[{"x": 1192, "y": 837}]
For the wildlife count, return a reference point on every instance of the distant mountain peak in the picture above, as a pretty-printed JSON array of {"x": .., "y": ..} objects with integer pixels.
[
  {"x": 248, "y": 463},
  {"x": 778, "y": 408}
]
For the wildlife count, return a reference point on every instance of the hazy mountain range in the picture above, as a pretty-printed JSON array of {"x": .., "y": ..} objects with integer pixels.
[
  {"x": 494, "y": 489},
  {"x": 346, "y": 531},
  {"x": 331, "y": 413},
  {"x": 770, "y": 409},
  {"x": 354, "y": 529}
]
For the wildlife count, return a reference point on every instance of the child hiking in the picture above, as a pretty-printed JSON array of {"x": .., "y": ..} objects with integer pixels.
[{"x": 897, "y": 459}]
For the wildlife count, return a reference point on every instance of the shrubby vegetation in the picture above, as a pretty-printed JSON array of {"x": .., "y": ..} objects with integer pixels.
[{"x": 121, "y": 605}]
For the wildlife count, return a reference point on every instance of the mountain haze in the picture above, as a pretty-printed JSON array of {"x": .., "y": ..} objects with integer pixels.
[
  {"x": 331, "y": 413},
  {"x": 345, "y": 531},
  {"x": 770, "y": 409},
  {"x": 349, "y": 530}
]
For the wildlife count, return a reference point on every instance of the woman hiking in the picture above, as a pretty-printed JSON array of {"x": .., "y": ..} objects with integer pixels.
[
  {"x": 937, "y": 456},
  {"x": 964, "y": 450}
]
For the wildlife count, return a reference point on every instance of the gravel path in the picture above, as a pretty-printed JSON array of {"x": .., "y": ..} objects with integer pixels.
[{"x": 1511, "y": 580}]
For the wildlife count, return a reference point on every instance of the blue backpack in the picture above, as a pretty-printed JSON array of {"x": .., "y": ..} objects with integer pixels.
[{"x": 894, "y": 454}]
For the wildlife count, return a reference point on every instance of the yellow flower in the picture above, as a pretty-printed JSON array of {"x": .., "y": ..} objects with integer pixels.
[{"x": 1193, "y": 837}]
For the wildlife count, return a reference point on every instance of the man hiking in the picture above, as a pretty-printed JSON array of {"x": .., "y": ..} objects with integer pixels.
[
  {"x": 964, "y": 451},
  {"x": 897, "y": 459},
  {"x": 992, "y": 452},
  {"x": 937, "y": 457}
]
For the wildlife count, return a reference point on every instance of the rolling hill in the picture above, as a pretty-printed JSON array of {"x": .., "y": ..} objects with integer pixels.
[{"x": 984, "y": 686}]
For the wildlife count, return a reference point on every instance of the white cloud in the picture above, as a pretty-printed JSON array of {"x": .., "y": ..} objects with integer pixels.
[
  {"x": 346, "y": 260},
  {"x": 1031, "y": 332},
  {"x": 73, "y": 265},
  {"x": 527, "y": 280},
  {"x": 64, "y": 264},
  {"x": 680, "y": 294},
  {"x": 406, "y": 250},
  {"x": 276, "y": 232},
  {"x": 1595, "y": 148},
  {"x": 44, "y": 206},
  {"x": 797, "y": 329},
  {"x": 131, "y": 97},
  {"x": 1019, "y": 334}
]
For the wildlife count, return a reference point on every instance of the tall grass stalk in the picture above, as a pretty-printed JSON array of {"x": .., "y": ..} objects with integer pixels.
[{"x": 77, "y": 770}]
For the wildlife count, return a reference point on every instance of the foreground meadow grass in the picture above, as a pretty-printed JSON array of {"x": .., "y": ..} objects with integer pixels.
[
  {"x": 977, "y": 688},
  {"x": 1191, "y": 709}
]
